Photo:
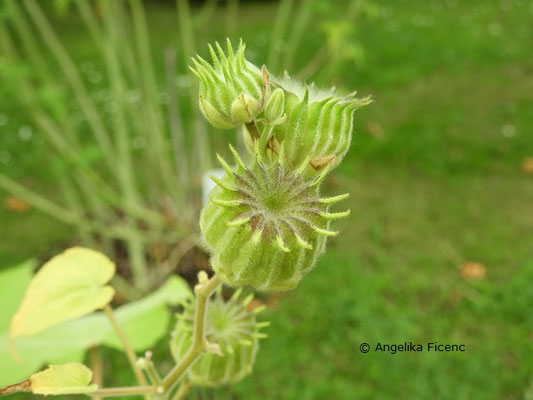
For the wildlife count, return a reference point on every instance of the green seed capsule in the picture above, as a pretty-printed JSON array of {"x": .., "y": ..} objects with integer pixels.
[
  {"x": 274, "y": 108},
  {"x": 319, "y": 124},
  {"x": 266, "y": 225},
  {"x": 232, "y": 90},
  {"x": 230, "y": 326}
]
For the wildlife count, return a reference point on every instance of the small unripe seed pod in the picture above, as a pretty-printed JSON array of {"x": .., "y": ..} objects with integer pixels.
[
  {"x": 232, "y": 332},
  {"x": 274, "y": 108},
  {"x": 244, "y": 109},
  {"x": 232, "y": 90},
  {"x": 319, "y": 125},
  {"x": 266, "y": 225}
]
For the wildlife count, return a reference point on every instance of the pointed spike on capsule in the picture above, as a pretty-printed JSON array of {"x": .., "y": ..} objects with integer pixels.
[
  {"x": 266, "y": 83},
  {"x": 306, "y": 95},
  {"x": 263, "y": 324},
  {"x": 225, "y": 165},
  {"x": 238, "y": 222},
  {"x": 259, "y": 335},
  {"x": 335, "y": 215},
  {"x": 231, "y": 54},
  {"x": 226, "y": 203},
  {"x": 257, "y": 153},
  {"x": 300, "y": 170},
  {"x": 259, "y": 309},
  {"x": 237, "y": 157},
  {"x": 182, "y": 317},
  {"x": 281, "y": 244},
  {"x": 324, "y": 232},
  {"x": 303, "y": 243},
  {"x": 241, "y": 61},
  {"x": 256, "y": 237},
  {"x": 206, "y": 65},
  {"x": 334, "y": 199},
  {"x": 281, "y": 155},
  {"x": 184, "y": 303},
  {"x": 222, "y": 184},
  {"x": 247, "y": 299},
  {"x": 322, "y": 175},
  {"x": 186, "y": 328},
  {"x": 221, "y": 53},
  {"x": 236, "y": 294},
  {"x": 195, "y": 73},
  {"x": 214, "y": 57},
  {"x": 245, "y": 342}
]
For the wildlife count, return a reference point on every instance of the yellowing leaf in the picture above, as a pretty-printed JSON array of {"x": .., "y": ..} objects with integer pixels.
[
  {"x": 16, "y": 204},
  {"x": 68, "y": 286},
  {"x": 73, "y": 378},
  {"x": 527, "y": 165},
  {"x": 473, "y": 271}
]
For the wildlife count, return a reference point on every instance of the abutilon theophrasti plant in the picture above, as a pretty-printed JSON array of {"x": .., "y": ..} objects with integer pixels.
[{"x": 266, "y": 223}]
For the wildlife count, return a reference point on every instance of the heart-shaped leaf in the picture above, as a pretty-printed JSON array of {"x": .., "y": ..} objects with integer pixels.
[
  {"x": 73, "y": 378},
  {"x": 145, "y": 322},
  {"x": 68, "y": 286}
]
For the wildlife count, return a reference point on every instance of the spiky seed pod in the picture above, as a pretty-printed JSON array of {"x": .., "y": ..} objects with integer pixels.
[
  {"x": 232, "y": 90},
  {"x": 231, "y": 326},
  {"x": 319, "y": 124},
  {"x": 266, "y": 225}
]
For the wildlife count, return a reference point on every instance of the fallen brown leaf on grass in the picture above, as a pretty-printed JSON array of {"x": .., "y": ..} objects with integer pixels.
[
  {"x": 472, "y": 270},
  {"x": 375, "y": 129},
  {"x": 527, "y": 165},
  {"x": 15, "y": 204}
]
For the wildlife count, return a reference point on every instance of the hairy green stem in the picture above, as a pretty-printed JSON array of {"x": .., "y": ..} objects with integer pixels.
[
  {"x": 130, "y": 353},
  {"x": 124, "y": 391},
  {"x": 183, "y": 390},
  {"x": 203, "y": 291}
]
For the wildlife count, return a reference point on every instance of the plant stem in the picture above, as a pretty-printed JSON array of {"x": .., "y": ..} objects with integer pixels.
[
  {"x": 130, "y": 353},
  {"x": 203, "y": 291},
  {"x": 280, "y": 24},
  {"x": 24, "y": 386},
  {"x": 183, "y": 390},
  {"x": 150, "y": 369},
  {"x": 97, "y": 367},
  {"x": 124, "y": 391}
]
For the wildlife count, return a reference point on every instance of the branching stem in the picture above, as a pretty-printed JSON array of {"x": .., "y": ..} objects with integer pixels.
[
  {"x": 203, "y": 291},
  {"x": 124, "y": 391},
  {"x": 130, "y": 353}
]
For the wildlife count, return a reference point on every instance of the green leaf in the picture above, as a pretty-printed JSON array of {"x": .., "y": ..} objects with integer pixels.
[
  {"x": 13, "y": 283},
  {"x": 68, "y": 286},
  {"x": 73, "y": 378},
  {"x": 145, "y": 322}
]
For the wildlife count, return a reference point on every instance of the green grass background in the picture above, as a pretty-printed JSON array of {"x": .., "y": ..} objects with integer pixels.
[{"x": 436, "y": 180}]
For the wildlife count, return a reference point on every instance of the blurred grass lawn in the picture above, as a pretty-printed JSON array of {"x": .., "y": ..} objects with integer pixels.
[{"x": 436, "y": 181}]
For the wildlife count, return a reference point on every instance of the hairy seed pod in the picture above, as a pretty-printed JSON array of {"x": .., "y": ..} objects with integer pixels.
[
  {"x": 266, "y": 225},
  {"x": 232, "y": 90},
  {"x": 319, "y": 124},
  {"x": 232, "y": 329}
]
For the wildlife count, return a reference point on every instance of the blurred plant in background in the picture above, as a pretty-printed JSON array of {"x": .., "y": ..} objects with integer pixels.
[{"x": 129, "y": 157}]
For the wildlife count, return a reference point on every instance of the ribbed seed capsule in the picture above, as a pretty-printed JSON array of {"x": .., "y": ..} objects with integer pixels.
[
  {"x": 266, "y": 226},
  {"x": 231, "y": 326},
  {"x": 319, "y": 124},
  {"x": 232, "y": 90}
]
